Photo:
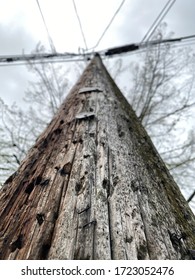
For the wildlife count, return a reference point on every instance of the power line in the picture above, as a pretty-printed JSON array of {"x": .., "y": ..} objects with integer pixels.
[
  {"x": 142, "y": 50},
  {"x": 24, "y": 63},
  {"x": 80, "y": 24},
  {"x": 109, "y": 24},
  {"x": 53, "y": 49},
  {"x": 38, "y": 58},
  {"x": 134, "y": 47},
  {"x": 158, "y": 20},
  {"x": 51, "y": 57},
  {"x": 142, "y": 47}
]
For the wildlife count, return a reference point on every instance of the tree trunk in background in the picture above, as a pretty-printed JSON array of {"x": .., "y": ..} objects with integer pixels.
[{"x": 94, "y": 187}]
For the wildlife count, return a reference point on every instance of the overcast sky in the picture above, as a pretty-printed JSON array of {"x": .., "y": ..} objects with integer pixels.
[{"x": 21, "y": 28}]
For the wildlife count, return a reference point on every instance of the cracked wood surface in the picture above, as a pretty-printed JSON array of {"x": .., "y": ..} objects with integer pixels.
[{"x": 94, "y": 187}]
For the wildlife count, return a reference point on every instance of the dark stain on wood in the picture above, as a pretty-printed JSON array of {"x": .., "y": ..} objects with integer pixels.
[
  {"x": 45, "y": 182},
  {"x": 66, "y": 169},
  {"x": 142, "y": 252},
  {"x": 38, "y": 180},
  {"x": 17, "y": 244},
  {"x": 129, "y": 239},
  {"x": 57, "y": 131},
  {"x": 78, "y": 187},
  {"x": 105, "y": 184},
  {"x": 40, "y": 218},
  {"x": 86, "y": 156},
  {"x": 30, "y": 188},
  {"x": 10, "y": 179},
  {"x": 44, "y": 251},
  {"x": 134, "y": 185}
]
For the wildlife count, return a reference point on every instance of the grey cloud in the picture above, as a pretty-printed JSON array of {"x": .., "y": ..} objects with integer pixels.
[
  {"x": 15, "y": 39},
  {"x": 181, "y": 17},
  {"x": 13, "y": 79},
  {"x": 139, "y": 16}
]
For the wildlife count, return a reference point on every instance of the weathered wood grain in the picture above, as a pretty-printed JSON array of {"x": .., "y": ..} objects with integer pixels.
[{"x": 94, "y": 187}]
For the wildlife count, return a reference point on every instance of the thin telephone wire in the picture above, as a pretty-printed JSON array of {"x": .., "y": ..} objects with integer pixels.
[
  {"x": 80, "y": 24},
  {"x": 46, "y": 28},
  {"x": 53, "y": 49},
  {"x": 158, "y": 20},
  {"x": 109, "y": 24}
]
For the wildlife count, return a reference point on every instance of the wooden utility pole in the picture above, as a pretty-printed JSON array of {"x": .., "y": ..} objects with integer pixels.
[{"x": 94, "y": 187}]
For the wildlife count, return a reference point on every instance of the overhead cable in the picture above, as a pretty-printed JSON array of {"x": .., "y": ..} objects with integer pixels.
[
  {"x": 34, "y": 57},
  {"x": 53, "y": 49},
  {"x": 134, "y": 47},
  {"x": 109, "y": 24},
  {"x": 158, "y": 20},
  {"x": 80, "y": 24},
  {"x": 23, "y": 63},
  {"x": 51, "y": 57}
]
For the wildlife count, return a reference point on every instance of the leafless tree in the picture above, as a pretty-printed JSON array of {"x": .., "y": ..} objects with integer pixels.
[
  {"x": 162, "y": 95},
  {"x": 14, "y": 138},
  {"x": 20, "y": 127}
]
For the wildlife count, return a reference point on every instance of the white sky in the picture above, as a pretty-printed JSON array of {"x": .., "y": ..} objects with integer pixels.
[{"x": 21, "y": 28}]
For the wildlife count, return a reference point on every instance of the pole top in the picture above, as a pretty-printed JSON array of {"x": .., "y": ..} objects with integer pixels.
[{"x": 96, "y": 54}]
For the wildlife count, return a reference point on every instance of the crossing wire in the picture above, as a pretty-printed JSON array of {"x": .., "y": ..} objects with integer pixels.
[
  {"x": 109, "y": 24},
  {"x": 53, "y": 49},
  {"x": 46, "y": 28},
  {"x": 67, "y": 57},
  {"x": 80, "y": 24}
]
